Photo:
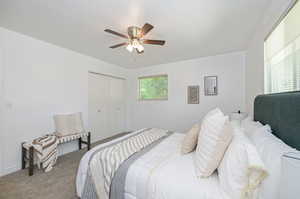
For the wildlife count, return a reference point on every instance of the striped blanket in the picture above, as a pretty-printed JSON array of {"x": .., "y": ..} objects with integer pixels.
[
  {"x": 104, "y": 162},
  {"x": 46, "y": 150}
]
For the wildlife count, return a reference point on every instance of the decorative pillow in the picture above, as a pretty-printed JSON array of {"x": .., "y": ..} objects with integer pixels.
[
  {"x": 271, "y": 149},
  {"x": 215, "y": 111},
  {"x": 190, "y": 140},
  {"x": 250, "y": 126},
  {"x": 214, "y": 138},
  {"x": 68, "y": 124},
  {"x": 77, "y": 122},
  {"x": 241, "y": 171}
]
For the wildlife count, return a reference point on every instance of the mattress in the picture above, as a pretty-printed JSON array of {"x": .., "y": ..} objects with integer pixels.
[{"x": 162, "y": 173}]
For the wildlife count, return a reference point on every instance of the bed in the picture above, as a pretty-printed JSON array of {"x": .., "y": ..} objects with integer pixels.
[
  {"x": 155, "y": 174},
  {"x": 159, "y": 171},
  {"x": 282, "y": 112}
]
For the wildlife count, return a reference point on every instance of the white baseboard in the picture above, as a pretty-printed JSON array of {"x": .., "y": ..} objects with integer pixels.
[
  {"x": 9, "y": 170},
  {"x": 62, "y": 150}
]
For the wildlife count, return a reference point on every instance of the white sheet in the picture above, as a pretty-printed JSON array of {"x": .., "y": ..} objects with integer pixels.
[{"x": 163, "y": 173}]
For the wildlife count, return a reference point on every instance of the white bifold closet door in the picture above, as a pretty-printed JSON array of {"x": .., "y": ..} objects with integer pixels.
[
  {"x": 106, "y": 106},
  {"x": 117, "y": 105},
  {"x": 1, "y": 112}
]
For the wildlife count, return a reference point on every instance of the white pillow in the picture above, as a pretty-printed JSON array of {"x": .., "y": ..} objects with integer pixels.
[
  {"x": 271, "y": 149},
  {"x": 214, "y": 137},
  {"x": 241, "y": 171},
  {"x": 215, "y": 111},
  {"x": 77, "y": 122},
  {"x": 250, "y": 126},
  {"x": 67, "y": 124},
  {"x": 191, "y": 138},
  {"x": 189, "y": 142}
]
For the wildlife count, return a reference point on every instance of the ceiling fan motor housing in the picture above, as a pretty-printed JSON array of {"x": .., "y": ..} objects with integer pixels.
[{"x": 134, "y": 32}]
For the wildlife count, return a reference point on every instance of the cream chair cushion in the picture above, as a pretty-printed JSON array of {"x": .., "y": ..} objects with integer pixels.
[
  {"x": 214, "y": 137},
  {"x": 68, "y": 124},
  {"x": 189, "y": 142}
]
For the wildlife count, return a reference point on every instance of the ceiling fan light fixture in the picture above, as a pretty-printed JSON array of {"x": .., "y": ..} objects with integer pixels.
[
  {"x": 129, "y": 47},
  {"x": 135, "y": 43},
  {"x": 140, "y": 48}
]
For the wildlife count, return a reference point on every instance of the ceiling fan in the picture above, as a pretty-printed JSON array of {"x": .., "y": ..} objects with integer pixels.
[{"x": 135, "y": 38}]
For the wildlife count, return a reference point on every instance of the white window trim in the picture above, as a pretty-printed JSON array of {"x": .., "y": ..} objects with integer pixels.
[
  {"x": 281, "y": 18},
  {"x": 283, "y": 15}
]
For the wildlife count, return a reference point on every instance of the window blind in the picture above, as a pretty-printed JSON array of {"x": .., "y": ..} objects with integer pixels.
[{"x": 282, "y": 54}]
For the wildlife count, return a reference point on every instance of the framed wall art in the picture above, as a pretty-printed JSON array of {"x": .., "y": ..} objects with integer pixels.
[
  {"x": 193, "y": 94},
  {"x": 210, "y": 85}
]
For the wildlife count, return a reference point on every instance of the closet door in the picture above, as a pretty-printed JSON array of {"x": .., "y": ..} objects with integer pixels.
[
  {"x": 117, "y": 105},
  {"x": 98, "y": 100},
  {"x": 1, "y": 112}
]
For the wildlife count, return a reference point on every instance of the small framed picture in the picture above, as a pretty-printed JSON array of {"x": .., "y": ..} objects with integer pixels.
[
  {"x": 210, "y": 85},
  {"x": 193, "y": 94}
]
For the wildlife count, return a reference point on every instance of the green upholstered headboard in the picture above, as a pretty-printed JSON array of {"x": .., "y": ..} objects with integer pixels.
[{"x": 282, "y": 112}]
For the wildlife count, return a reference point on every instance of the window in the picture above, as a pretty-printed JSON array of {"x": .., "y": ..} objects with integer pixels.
[
  {"x": 282, "y": 54},
  {"x": 153, "y": 87}
]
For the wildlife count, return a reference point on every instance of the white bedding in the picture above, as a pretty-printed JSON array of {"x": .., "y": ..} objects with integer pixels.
[
  {"x": 84, "y": 162},
  {"x": 162, "y": 173}
]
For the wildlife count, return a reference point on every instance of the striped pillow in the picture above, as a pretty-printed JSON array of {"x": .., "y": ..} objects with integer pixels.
[{"x": 215, "y": 135}]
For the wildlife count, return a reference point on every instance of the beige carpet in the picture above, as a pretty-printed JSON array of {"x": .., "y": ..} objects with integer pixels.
[{"x": 57, "y": 184}]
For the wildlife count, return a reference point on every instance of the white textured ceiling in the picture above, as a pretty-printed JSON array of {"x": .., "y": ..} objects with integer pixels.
[{"x": 191, "y": 28}]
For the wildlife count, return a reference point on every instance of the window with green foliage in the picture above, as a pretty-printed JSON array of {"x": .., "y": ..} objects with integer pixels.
[{"x": 153, "y": 87}]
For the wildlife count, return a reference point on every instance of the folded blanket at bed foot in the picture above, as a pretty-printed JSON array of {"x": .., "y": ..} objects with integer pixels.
[{"x": 105, "y": 161}]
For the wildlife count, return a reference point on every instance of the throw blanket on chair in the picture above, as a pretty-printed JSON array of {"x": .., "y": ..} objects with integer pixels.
[
  {"x": 46, "y": 150},
  {"x": 104, "y": 162}
]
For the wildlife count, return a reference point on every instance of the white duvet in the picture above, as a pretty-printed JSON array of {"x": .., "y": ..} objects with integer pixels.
[{"x": 163, "y": 173}]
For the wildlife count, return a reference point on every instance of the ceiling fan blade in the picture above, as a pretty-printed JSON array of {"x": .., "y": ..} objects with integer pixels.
[
  {"x": 146, "y": 28},
  {"x": 119, "y": 45},
  {"x": 116, "y": 33},
  {"x": 154, "y": 42}
]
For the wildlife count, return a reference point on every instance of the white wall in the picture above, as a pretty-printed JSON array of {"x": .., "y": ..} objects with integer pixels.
[
  {"x": 1, "y": 107},
  {"x": 255, "y": 52},
  {"x": 175, "y": 113},
  {"x": 40, "y": 80}
]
